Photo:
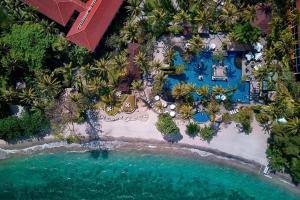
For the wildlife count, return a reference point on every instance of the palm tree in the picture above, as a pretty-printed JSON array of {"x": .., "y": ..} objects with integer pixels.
[
  {"x": 120, "y": 61},
  {"x": 28, "y": 96},
  {"x": 218, "y": 90},
  {"x": 9, "y": 95},
  {"x": 186, "y": 111},
  {"x": 180, "y": 90},
  {"x": 169, "y": 56},
  {"x": 182, "y": 18},
  {"x": 95, "y": 86},
  {"x": 68, "y": 73},
  {"x": 142, "y": 60},
  {"x": 293, "y": 126},
  {"x": 109, "y": 99},
  {"x": 102, "y": 68},
  {"x": 203, "y": 18},
  {"x": 137, "y": 85},
  {"x": 134, "y": 7},
  {"x": 195, "y": 45},
  {"x": 130, "y": 32},
  {"x": 203, "y": 91},
  {"x": 49, "y": 85},
  {"x": 249, "y": 13}
]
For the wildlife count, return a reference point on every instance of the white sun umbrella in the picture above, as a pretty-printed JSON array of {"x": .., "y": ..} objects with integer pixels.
[
  {"x": 172, "y": 114},
  {"x": 249, "y": 56},
  {"x": 212, "y": 46},
  {"x": 187, "y": 45},
  {"x": 258, "y": 47},
  {"x": 223, "y": 97},
  {"x": 157, "y": 98},
  {"x": 282, "y": 120},
  {"x": 258, "y": 56},
  {"x": 172, "y": 107},
  {"x": 164, "y": 104}
]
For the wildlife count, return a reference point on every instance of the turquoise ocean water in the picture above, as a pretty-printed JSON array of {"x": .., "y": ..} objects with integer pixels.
[{"x": 116, "y": 175}]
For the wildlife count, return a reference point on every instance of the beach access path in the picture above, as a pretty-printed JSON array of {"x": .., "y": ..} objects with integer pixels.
[{"x": 228, "y": 139}]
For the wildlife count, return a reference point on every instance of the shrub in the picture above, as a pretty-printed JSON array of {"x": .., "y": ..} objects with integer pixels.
[
  {"x": 29, "y": 124},
  {"x": 228, "y": 105},
  {"x": 166, "y": 125},
  {"x": 226, "y": 118},
  {"x": 262, "y": 118},
  {"x": 73, "y": 139},
  {"x": 244, "y": 117},
  {"x": 207, "y": 133},
  {"x": 192, "y": 129}
]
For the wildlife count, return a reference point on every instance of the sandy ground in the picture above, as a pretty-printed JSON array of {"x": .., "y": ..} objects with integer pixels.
[{"x": 228, "y": 139}]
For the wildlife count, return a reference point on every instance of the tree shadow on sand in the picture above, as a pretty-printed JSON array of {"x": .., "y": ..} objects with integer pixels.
[
  {"x": 94, "y": 128},
  {"x": 173, "y": 138}
]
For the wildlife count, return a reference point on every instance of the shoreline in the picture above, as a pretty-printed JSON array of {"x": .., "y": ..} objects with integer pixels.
[{"x": 52, "y": 145}]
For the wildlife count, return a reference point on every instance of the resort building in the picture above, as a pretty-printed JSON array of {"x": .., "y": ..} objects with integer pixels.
[
  {"x": 295, "y": 31},
  {"x": 94, "y": 17}
]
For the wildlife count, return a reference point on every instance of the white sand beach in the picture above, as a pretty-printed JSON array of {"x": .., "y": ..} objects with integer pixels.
[{"x": 228, "y": 139}]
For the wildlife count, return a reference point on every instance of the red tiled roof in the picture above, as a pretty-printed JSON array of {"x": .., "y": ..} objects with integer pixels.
[
  {"x": 57, "y": 10},
  {"x": 94, "y": 18},
  {"x": 88, "y": 31}
]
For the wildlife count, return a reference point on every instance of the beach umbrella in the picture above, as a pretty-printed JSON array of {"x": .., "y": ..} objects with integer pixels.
[
  {"x": 223, "y": 97},
  {"x": 172, "y": 107},
  {"x": 249, "y": 56},
  {"x": 258, "y": 56},
  {"x": 258, "y": 47},
  {"x": 212, "y": 46},
  {"x": 157, "y": 98},
  {"x": 172, "y": 114}
]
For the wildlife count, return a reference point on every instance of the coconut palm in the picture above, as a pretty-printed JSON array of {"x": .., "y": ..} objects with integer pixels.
[
  {"x": 134, "y": 7},
  {"x": 109, "y": 99},
  {"x": 179, "y": 91},
  {"x": 203, "y": 91},
  {"x": 195, "y": 45},
  {"x": 169, "y": 56},
  {"x": 68, "y": 73},
  {"x": 130, "y": 32},
  {"x": 28, "y": 96},
  {"x": 49, "y": 85},
  {"x": 293, "y": 126},
  {"x": 102, "y": 68},
  {"x": 186, "y": 111},
  {"x": 9, "y": 95},
  {"x": 137, "y": 86},
  {"x": 218, "y": 90},
  {"x": 120, "y": 61},
  {"x": 249, "y": 13},
  {"x": 142, "y": 60}
]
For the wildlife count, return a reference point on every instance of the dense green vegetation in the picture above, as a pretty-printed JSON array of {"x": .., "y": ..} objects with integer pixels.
[
  {"x": 57, "y": 82},
  {"x": 28, "y": 124},
  {"x": 166, "y": 125}
]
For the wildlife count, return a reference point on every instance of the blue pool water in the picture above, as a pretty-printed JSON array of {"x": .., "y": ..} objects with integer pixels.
[
  {"x": 201, "y": 117},
  {"x": 192, "y": 72}
]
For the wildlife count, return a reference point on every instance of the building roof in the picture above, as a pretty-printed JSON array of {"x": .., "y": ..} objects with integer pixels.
[
  {"x": 92, "y": 23},
  {"x": 58, "y": 10},
  {"x": 94, "y": 18}
]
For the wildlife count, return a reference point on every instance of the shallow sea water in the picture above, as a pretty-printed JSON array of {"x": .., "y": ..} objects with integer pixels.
[{"x": 128, "y": 175}]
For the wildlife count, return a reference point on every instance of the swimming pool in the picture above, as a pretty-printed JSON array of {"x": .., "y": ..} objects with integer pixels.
[
  {"x": 201, "y": 117},
  {"x": 192, "y": 72}
]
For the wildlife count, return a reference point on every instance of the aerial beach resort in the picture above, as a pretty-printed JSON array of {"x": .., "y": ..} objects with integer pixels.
[{"x": 114, "y": 99}]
